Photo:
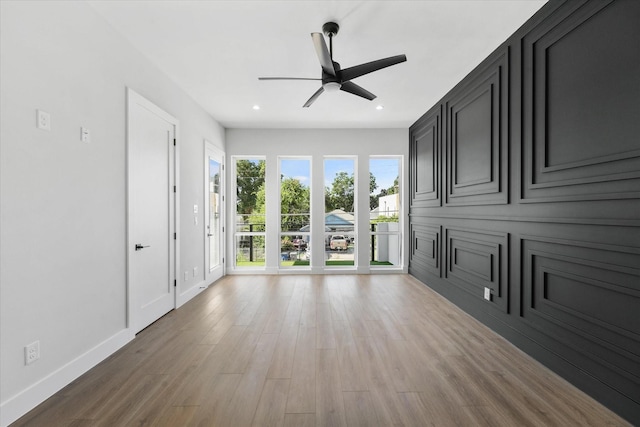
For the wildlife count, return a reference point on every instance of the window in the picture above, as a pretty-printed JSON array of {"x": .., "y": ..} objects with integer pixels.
[
  {"x": 340, "y": 207},
  {"x": 250, "y": 225},
  {"x": 384, "y": 201},
  {"x": 295, "y": 212}
]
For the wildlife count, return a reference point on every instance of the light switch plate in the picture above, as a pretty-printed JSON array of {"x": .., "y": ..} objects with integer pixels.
[
  {"x": 85, "y": 135},
  {"x": 487, "y": 294}
]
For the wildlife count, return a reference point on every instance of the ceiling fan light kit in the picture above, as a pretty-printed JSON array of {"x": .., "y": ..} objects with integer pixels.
[{"x": 333, "y": 77}]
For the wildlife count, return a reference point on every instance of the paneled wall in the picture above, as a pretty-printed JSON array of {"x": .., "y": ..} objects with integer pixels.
[{"x": 525, "y": 183}]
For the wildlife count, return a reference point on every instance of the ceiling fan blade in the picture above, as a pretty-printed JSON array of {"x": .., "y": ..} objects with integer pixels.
[
  {"x": 323, "y": 53},
  {"x": 357, "y": 90},
  {"x": 286, "y": 78},
  {"x": 369, "y": 67},
  {"x": 313, "y": 97}
]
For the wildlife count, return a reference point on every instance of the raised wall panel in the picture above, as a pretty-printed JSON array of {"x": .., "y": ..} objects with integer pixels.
[
  {"x": 587, "y": 296},
  {"x": 541, "y": 147},
  {"x": 425, "y": 160},
  {"x": 425, "y": 248},
  {"x": 476, "y": 259},
  {"x": 477, "y": 137},
  {"x": 582, "y": 105}
]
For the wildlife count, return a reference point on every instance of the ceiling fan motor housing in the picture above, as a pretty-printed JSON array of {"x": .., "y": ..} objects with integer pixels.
[{"x": 328, "y": 78}]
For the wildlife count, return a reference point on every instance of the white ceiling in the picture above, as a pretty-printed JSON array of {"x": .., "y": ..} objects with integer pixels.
[{"x": 216, "y": 50}]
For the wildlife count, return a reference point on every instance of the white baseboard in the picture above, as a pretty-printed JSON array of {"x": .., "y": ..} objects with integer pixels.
[
  {"x": 18, "y": 405},
  {"x": 185, "y": 296}
]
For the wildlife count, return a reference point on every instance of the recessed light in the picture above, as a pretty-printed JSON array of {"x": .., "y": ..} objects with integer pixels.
[
  {"x": 380, "y": 107},
  {"x": 256, "y": 107}
]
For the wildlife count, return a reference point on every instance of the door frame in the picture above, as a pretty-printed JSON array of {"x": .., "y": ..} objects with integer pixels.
[
  {"x": 210, "y": 147},
  {"x": 131, "y": 98}
]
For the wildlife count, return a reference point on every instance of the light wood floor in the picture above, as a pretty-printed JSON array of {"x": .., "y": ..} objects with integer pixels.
[{"x": 380, "y": 350}]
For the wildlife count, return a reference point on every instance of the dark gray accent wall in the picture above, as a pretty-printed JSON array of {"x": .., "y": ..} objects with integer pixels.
[{"x": 525, "y": 179}]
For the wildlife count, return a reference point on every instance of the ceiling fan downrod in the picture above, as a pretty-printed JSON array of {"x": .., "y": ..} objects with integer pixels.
[{"x": 330, "y": 29}]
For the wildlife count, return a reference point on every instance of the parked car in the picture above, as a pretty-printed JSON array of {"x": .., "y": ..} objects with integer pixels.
[{"x": 338, "y": 243}]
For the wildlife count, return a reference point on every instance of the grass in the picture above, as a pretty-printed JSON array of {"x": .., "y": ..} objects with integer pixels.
[
  {"x": 300, "y": 263},
  {"x": 259, "y": 263},
  {"x": 328, "y": 263}
]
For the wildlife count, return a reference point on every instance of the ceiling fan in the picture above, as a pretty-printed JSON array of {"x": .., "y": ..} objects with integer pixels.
[{"x": 333, "y": 77}]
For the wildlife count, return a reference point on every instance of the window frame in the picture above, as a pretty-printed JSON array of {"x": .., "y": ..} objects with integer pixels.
[
  {"x": 400, "y": 210},
  {"x": 282, "y": 233},
  {"x": 327, "y": 234},
  {"x": 234, "y": 203}
]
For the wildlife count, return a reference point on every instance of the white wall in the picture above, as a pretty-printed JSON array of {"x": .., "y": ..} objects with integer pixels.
[
  {"x": 62, "y": 271},
  {"x": 317, "y": 143}
]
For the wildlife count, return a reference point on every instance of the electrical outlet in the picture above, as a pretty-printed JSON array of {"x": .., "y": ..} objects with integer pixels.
[
  {"x": 32, "y": 352},
  {"x": 195, "y": 271},
  {"x": 186, "y": 276},
  {"x": 487, "y": 294},
  {"x": 43, "y": 120}
]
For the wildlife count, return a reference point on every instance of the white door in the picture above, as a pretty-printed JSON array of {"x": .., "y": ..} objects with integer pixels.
[
  {"x": 151, "y": 211},
  {"x": 214, "y": 217}
]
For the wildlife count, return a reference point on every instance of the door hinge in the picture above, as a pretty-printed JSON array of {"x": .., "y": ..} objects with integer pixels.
[
  {"x": 175, "y": 283},
  {"x": 223, "y": 229},
  {"x": 175, "y": 236},
  {"x": 174, "y": 142},
  {"x": 174, "y": 188}
]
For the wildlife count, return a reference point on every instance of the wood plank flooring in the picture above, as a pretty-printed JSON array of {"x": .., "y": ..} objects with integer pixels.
[{"x": 335, "y": 350}]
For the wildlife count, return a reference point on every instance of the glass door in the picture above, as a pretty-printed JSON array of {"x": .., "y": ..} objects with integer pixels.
[{"x": 214, "y": 242}]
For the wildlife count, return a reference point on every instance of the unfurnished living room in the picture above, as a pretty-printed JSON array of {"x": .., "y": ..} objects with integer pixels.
[{"x": 314, "y": 213}]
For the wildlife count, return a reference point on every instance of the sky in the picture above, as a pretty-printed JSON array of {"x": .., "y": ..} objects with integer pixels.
[{"x": 384, "y": 169}]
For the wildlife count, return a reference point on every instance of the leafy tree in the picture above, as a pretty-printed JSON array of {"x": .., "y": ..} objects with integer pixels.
[
  {"x": 250, "y": 179},
  {"x": 374, "y": 199},
  {"x": 394, "y": 188},
  {"x": 341, "y": 193},
  {"x": 294, "y": 203}
]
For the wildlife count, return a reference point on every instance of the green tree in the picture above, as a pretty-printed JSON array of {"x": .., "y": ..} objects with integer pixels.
[
  {"x": 249, "y": 180},
  {"x": 341, "y": 193},
  {"x": 374, "y": 200},
  {"x": 294, "y": 204},
  {"x": 394, "y": 188}
]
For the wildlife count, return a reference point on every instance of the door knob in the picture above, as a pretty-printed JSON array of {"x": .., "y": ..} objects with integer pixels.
[{"x": 139, "y": 246}]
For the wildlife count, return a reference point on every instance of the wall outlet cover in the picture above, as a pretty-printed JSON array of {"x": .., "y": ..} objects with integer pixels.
[
  {"x": 31, "y": 352},
  {"x": 43, "y": 120}
]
